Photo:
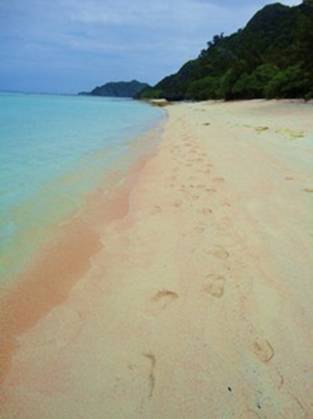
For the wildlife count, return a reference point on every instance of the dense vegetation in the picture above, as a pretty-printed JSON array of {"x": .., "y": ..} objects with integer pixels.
[
  {"x": 118, "y": 89},
  {"x": 271, "y": 57}
]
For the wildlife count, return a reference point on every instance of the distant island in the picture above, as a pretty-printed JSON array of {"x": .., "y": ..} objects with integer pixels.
[
  {"x": 118, "y": 89},
  {"x": 270, "y": 58}
]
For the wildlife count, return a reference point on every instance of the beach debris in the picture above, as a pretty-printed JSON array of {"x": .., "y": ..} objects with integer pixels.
[
  {"x": 292, "y": 134},
  {"x": 159, "y": 102},
  {"x": 259, "y": 130}
]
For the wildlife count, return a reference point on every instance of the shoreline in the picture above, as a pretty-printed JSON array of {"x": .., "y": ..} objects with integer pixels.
[
  {"x": 72, "y": 160},
  {"x": 199, "y": 292},
  {"x": 47, "y": 279}
]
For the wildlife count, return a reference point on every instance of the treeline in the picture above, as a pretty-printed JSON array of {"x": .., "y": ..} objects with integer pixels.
[{"x": 272, "y": 57}]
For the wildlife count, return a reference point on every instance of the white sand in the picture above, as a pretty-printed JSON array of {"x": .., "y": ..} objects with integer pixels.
[{"x": 200, "y": 303}]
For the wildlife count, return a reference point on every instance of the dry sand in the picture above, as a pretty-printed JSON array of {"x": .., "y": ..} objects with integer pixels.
[{"x": 197, "y": 301}]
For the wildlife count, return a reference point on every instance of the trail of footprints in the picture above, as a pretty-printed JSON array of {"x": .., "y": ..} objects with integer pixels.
[
  {"x": 193, "y": 189},
  {"x": 196, "y": 187},
  {"x": 214, "y": 283}
]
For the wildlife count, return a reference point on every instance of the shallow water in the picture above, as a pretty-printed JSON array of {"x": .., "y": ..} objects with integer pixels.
[{"x": 53, "y": 151}]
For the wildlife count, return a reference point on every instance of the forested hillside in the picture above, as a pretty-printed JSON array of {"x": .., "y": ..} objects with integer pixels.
[
  {"x": 118, "y": 89},
  {"x": 271, "y": 57}
]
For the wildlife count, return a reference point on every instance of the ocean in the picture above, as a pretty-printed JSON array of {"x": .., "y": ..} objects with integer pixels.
[{"x": 54, "y": 150}]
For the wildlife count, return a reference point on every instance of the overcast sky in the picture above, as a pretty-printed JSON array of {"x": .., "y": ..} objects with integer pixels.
[{"x": 72, "y": 45}]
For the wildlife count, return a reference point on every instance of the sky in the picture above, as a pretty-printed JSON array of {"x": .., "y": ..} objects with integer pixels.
[{"x": 66, "y": 46}]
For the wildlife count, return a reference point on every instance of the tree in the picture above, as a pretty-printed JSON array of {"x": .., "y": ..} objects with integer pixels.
[
  {"x": 289, "y": 83},
  {"x": 252, "y": 86},
  {"x": 206, "y": 88}
]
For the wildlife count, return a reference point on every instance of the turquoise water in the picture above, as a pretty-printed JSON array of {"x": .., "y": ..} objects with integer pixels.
[{"x": 53, "y": 150}]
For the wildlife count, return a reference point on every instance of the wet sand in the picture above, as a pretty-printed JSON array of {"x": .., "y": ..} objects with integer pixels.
[{"x": 190, "y": 294}]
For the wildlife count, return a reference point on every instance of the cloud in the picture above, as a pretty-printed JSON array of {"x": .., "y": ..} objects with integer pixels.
[{"x": 109, "y": 39}]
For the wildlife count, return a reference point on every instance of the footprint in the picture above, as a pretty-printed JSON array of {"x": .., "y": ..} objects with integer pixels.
[
  {"x": 263, "y": 350},
  {"x": 152, "y": 359},
  {"x": 207, "y": 124},
  {"x": 308, "y": 190},
  {"x": 215, "y": 286},
  {"x": 177, "y": 204},
  {"x": 289, "y": 178},
  {"x": 249, "y": 414},
  {"x": 219, "y": 252},
  {"x": 166, "y": 297},
  {"x": 200, "y": 229},
  {"x": 206, "y": 211},
  {"x": 157, "y": 209},
  {"x": 219, "y": 179}
]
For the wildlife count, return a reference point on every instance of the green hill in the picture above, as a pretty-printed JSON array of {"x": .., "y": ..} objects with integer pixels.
[
  {"x": 118, "y": 89},
  {"x": 271, "y": 57}
]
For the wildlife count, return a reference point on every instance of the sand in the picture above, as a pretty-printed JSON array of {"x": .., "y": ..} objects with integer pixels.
[{"x": 193, "y": 298}]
